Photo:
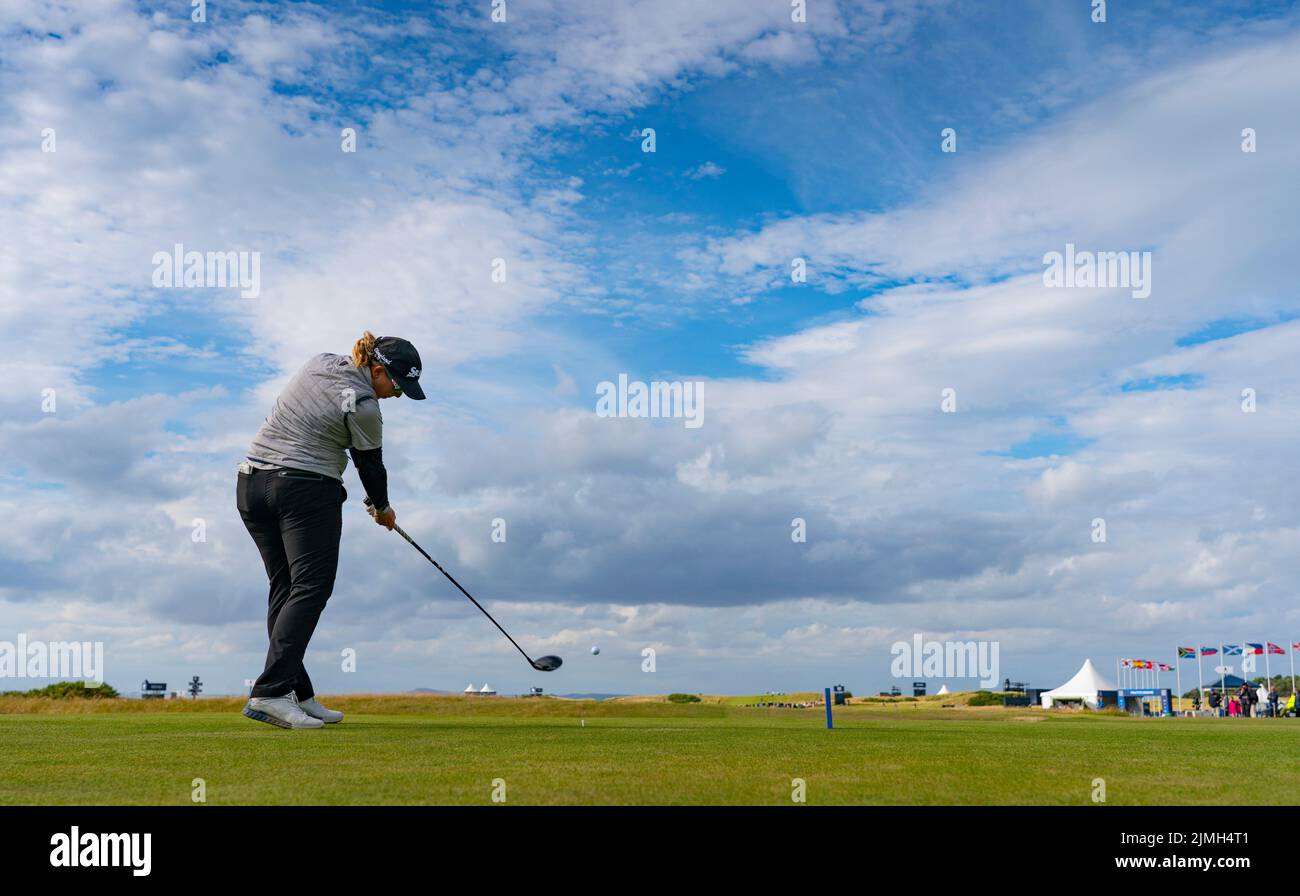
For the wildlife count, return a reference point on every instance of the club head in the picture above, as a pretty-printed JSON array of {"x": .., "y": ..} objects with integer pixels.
[{"x": 547, "y": 663}]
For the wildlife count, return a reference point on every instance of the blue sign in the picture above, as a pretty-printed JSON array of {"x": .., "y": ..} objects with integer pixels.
[{"x": 1165, "y": 695}]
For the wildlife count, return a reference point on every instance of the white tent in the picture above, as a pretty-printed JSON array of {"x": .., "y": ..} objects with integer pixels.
[
  {"x": 943, "y": 690},
  {"x": 469, "y": 689},
  {"x": 1086, "y": 686},
  {"x": 486, "y": 689}
]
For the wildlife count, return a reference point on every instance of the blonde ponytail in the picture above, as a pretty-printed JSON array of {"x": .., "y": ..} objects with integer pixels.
[{"x": 363, "y": 352}]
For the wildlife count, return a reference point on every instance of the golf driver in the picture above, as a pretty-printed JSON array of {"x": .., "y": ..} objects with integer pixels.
[{"x": 541, "y": 664}]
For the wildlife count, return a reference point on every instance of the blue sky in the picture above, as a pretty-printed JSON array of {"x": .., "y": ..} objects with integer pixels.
[{"x": 774, "y": 140}]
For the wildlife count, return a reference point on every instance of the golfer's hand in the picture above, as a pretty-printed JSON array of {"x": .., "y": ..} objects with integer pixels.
[{"x": 387, "y": 519}]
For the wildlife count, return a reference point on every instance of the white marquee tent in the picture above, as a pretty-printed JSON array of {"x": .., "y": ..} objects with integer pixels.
[
  {"x": 943, "y": 690},
  {"x": 1086, "y": 686}
]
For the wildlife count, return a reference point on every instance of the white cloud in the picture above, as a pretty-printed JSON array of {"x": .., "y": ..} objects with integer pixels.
[{"x": 706, "y": 171}]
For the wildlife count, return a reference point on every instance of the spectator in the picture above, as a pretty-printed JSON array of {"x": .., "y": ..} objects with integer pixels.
[{"x": 1272, "y": 701}]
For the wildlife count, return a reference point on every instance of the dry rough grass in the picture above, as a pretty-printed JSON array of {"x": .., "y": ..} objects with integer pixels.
[{"x": 386, "y": 704}]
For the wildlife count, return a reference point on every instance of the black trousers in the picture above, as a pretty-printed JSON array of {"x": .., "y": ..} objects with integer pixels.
[{"x": 296, "y": 520}]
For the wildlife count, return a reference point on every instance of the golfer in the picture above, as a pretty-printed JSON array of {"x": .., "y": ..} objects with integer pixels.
[{"x": 290, "y": 496}]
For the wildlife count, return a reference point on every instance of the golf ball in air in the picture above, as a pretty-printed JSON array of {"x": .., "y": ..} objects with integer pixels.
[{"x": 595, "y": 651}]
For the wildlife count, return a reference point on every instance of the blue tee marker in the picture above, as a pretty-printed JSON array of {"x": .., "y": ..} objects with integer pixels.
[{"x": 829, "y": 724}]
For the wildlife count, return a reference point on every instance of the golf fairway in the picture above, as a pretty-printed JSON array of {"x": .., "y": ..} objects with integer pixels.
[{"x": 440, "y": 751}]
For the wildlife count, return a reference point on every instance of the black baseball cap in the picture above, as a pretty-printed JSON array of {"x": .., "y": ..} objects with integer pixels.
[{"x": 403, "y": 364}]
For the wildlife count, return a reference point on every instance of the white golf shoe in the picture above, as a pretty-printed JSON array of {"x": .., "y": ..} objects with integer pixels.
[
  {"x": 313, "y": 708},
  {"x": 284, "y": 712}
]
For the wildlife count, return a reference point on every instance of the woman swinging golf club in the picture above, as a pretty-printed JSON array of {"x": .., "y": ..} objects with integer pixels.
[{"x": 290, "y": 496}]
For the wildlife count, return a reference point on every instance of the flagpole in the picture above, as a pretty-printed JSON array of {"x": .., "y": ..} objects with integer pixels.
[
  {"x": 1292, "y": 652},
  {"x": 1178, "y": 681},
  {"x": 1244, "y": 680},
  {"x": 1223, "y": 676},
  {"x": 1200, "y": 676},
  {"x": 1248, "y": 683}
]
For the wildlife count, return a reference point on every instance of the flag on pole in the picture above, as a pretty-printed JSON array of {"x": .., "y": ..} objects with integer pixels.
[
  {"x": 1165, "y": 667},
  {"x": 1296, "y": 645},
  {"x": 1274, "y": 649},
  {"x": 1186, "y": 653},
  {"x": 1212, "y": 651},
  {"x": 1231, "y": 650},
  {"x": 1256, "y": 650}
]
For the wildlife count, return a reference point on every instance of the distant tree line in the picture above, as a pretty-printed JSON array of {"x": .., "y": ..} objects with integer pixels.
[
  {"x": 1281, "y": 682},
  {"x": 67, "y": 690}
]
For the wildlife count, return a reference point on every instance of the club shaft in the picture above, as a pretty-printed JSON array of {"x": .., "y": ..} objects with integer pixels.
[{"x": 450, "y": 578}]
